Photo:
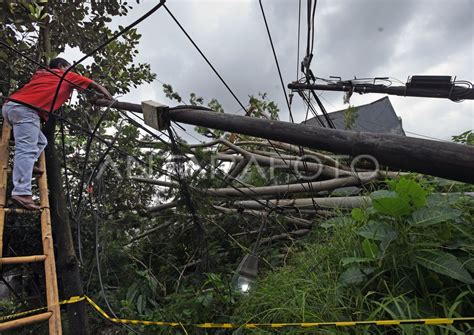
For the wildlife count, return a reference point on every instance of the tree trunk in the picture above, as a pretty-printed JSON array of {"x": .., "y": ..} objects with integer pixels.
[{"x": 67, "y": 263}]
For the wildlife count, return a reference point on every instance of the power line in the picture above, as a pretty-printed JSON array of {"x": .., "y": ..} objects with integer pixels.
[
  {"x": 298, "y": 47},
  {"x": 87, "y": 153},
  {"x": 96, "y": 253},
  {"x": 205, "y": 58},
  {"x": 308, "y": 36},
  {"x": 284, "y": 93},
  {"x": 77, "y": 216},
  {"x": 185, "y": 192},
  {"x": 312, "y": 26},
  {"x": 215, "y": 71},
  {"x": 276, "y": 60},
  {"x": 306, "y": 63}
]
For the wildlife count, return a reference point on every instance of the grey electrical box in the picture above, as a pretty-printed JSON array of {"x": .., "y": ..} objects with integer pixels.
[{"x": 154, "y": 114}]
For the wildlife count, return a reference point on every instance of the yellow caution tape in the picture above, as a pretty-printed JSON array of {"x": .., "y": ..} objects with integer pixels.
[
  {"x": 71, "y": 300},
  {"x": 76, "y": 299},
  {"x": 17, "y": 315},
  {"x": 133, "y": 322}
]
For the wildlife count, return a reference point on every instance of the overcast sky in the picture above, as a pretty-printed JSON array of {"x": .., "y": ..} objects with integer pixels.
[{"x": 363, "y": 38}]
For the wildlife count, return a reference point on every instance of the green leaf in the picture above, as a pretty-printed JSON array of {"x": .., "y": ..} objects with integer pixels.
[
  {"x": 390, "y": 203},
  {"x": 140, "y": 304},
  {"x": 443, "y": 263},
  {"x": 440, "y": 199},
  {"x": 378, "y": 231},
  {"x": 355, "y": 275},
  {"x": 425, "y": 217},
  {"x": 469, "y": 264},
  {"x": 371, "y": 250},
  {"x": 412, "y": 191},
  {"x": 359, "y": 215}
]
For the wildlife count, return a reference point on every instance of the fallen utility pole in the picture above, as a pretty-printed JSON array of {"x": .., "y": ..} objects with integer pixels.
[
  {"x": 447, "y": 160},
  {"x": 455, "y": 93}
]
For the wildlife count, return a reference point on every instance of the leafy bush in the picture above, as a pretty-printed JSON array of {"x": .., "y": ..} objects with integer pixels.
[
  {"x": 214, "y": 300},
  {"x": 409, "y": 255}
]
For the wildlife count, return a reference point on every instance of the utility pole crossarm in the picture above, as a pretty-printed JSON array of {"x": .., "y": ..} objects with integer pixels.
[
  {"x": 454, "y": 93},
  {"x": 446, "y": 160}
]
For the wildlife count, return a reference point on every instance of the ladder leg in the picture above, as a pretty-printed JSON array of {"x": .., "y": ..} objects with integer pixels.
[
  {"x": 49, "y": 263},
  {"x": 52, "y": 296},
  {"x": 4, "y": 143}
]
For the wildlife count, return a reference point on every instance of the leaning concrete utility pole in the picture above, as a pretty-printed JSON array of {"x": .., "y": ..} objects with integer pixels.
[{"x": 447, "y": 160}]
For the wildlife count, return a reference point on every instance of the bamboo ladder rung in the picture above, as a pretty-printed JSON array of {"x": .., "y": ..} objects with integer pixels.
[
  {"x": 9, "y": 210},
  {"x": 22, "y": 259},
  {"x": 25, "y": 321}
]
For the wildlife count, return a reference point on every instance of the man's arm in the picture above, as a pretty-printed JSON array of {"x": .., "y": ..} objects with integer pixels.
[{"x": 101, "y": 89}]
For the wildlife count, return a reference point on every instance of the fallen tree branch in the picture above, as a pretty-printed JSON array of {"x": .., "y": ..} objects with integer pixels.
[
  {"x": 236, "y": 169},
  {"x": 148, "y": 232},
  {"x": 284, "y": 190},
  {"x": 285, "y": 236},
  {"x": 335, "y": 202},
  {"x": 296, "y": 150},
  {"x": 161, "y": 207},
  {"x": 155, "y": 182},
  {"x": 301, "y": 223},
  {"x": 295, "y": 165}
]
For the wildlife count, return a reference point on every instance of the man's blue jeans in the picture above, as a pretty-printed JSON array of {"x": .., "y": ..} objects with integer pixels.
[{"x": 29, "y": 144}]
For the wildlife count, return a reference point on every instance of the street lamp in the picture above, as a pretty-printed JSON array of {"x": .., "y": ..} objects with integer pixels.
[{"x": 246, "y": 273}]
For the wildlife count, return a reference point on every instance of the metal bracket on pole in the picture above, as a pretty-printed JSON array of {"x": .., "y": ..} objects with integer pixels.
[{"x": 155, "y": 114}]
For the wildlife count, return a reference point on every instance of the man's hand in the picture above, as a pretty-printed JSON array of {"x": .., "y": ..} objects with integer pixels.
[{"x": 102, "y": 90}]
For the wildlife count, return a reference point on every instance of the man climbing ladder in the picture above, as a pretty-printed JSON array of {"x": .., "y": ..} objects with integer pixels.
[{"x": 40, "y": 93}]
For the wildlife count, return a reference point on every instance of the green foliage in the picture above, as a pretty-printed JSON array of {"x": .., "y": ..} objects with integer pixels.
[
  {"x": 409, "y": 255},
  {"x": 212, "y": 299},
  {"x": 444, "y": 263},
  {"x": 256, "y": 176},
  {"x": 258, "y": 107},
  {"x": 405, "y": 196},
  {"x": 465, "y": 138},
  {"x": 29, "y": 27},
  {"x": 261, "y": 107},
  {"x": 171, "y": 94},
  {"x": 143, "y": 292},
  {"x": 350, "y": 117}
]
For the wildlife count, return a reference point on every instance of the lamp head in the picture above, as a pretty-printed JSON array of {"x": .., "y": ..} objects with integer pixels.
[{"x": 246, "y": 273}]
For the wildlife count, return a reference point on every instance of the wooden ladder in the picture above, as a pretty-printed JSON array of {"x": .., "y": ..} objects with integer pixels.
[{"x": 53, "y": 311}]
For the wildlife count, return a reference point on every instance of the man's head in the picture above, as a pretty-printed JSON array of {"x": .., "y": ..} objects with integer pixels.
[{"x": 59, "y": 63}]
